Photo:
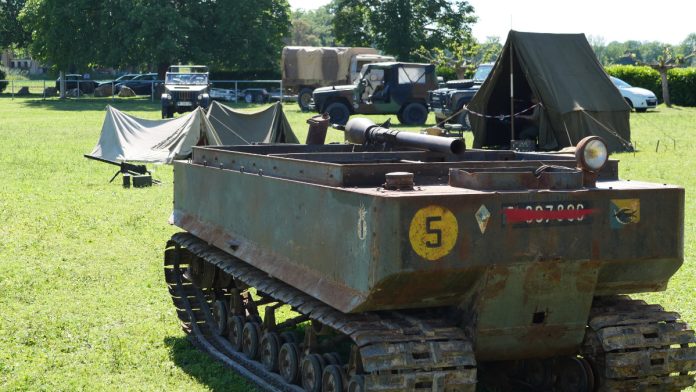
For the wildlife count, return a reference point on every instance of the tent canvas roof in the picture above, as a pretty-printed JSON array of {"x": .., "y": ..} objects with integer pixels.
[
  {"x": 561, "y": 70},
  {"x": 127, "y": 138}
]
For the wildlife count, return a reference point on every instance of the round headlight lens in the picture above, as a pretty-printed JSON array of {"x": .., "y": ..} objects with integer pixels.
[{"x": 592, "y": 153}]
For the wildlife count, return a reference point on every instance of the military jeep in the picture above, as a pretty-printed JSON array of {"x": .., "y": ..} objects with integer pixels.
[
  {"x": 382, "y": 88},
  {"x": 186, "y": 87}
]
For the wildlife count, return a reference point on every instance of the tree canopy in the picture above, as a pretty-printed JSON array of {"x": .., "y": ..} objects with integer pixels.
[
  {"x": 401, "y": 27},
  {"x": 78, "y": 34}
]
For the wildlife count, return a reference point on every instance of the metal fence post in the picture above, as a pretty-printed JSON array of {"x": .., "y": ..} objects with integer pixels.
[
  {"x": 152, "y": 91},
  {"x": 12, "y": 88},
  {"x": 236, "y": 92},
  {"x": 44, "y": 89},
  {"x": 113, "y": 97},
  {"x": 281, "y": 91}
]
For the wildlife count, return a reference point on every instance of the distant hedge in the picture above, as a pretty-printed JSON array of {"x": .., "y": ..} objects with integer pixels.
[
  {"x": 682, "y": 81},
  {"x": 3, "y": 85}
]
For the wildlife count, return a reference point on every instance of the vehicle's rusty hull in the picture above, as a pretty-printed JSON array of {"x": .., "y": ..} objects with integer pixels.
[{"x": 519, "y": 265}]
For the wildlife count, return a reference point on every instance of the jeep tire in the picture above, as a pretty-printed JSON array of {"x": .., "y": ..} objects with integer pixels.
[
  {"x": 303, "y": 98},
  {"x": 414, "y": 114},
  {"x": 463, "y": 119},
  {"x": 338, "y": 113}
]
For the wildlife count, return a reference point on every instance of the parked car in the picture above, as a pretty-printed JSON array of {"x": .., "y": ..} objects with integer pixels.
[
  {"x": 141, "y": 84},
  {"x": 119, "y": 79},
  {"x": 637, "y": 98},
  {"x": 73, "y": 81}
]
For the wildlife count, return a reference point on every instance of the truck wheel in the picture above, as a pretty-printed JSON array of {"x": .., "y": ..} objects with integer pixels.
[
  {"x": 338, "y": 113},
  {"x": 414, "y": 114},
  {"x": 303, "y": 98}
]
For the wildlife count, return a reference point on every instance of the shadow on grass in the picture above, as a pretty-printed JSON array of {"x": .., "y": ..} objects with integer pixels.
[{"x": 203, "y": 368}]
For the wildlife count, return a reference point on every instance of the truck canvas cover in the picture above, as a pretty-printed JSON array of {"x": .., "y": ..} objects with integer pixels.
[
  {"x": 127, "y": 138},
  {"x": 316, "y": 65},
  {"x": 561, "y": 70}
]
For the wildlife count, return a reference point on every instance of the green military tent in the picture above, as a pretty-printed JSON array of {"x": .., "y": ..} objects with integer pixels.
[{"x": 576, "y": 97}]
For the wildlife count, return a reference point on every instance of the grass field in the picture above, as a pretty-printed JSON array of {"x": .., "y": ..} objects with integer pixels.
[{"x": 83, "y": 305}]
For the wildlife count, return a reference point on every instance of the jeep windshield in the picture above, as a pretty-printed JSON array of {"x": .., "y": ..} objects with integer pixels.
[
  {"x": 482, "y": 72},
  {"x": 186, "y": 78}
]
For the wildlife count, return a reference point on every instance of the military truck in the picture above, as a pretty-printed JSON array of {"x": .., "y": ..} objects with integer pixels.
[
  {"x": 411, "y": 263},
  {"x": 383, "y": 88},
  {"x": 305, "y": 68},
  {"x": 186, "y": 87},
  {"x": 447, "y": 101}
]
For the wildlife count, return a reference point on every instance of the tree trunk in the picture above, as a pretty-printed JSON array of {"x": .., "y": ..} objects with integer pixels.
[{"x": 665, "y": 87}]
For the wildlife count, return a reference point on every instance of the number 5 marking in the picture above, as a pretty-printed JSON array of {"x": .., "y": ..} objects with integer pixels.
[{"x": 433, "y": 232}]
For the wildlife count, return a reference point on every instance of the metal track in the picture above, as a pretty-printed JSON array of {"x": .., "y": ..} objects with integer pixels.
[
  {"x": 400, "y": 351},
  {"x": 635, "y": 346}
]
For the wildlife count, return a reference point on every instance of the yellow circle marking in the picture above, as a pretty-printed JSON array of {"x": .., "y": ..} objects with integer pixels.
[{"x": 433, "y": 232}]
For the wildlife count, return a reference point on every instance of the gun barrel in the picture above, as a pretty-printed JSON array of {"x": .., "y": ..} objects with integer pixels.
[
  {"x": 102, "y": 160},
  {"x": 364, "y": 131}
]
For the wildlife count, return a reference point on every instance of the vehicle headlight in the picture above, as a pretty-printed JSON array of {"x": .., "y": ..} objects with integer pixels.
[
  {"x": 200, "y": 97},
  {"x": 591, "y": 154},
  {"x": 166, "y": 96}
]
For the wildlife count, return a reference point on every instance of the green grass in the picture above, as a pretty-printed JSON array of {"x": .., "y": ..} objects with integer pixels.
[{"x": 83, "y": 305}]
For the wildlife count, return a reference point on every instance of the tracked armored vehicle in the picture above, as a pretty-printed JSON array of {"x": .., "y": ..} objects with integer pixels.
[{"x": 404, "y": 262}]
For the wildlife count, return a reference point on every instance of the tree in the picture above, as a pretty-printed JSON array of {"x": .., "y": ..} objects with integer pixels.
[
  {"x": 79, "y": 34},
  {"x": 312, "y": 28},
  {"x": 664, "y": 63},
  {"x": 12, "y": 32},
  {"x": 401, "y": 27}
]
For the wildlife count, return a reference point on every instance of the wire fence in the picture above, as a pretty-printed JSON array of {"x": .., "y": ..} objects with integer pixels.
[{"x": 250, "y": 91}]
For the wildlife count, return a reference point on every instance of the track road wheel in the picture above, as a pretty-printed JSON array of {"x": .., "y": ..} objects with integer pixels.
[
  {"x": 289, "y": 362},
  {"x": 338, "y": 113},
  {"x": 250, "y": 339},
  {"x": 356, "y": 384},
  {"x": 312, "y": 368},
  {"x": 270, "y": 346},
  {"x": 220, "y": 316},
  {"x": 235, "y": 327},
  {"x": 303, "y": 98},
  {"x": 332, "y": 379},
  {"x": 414, "y": 114}
]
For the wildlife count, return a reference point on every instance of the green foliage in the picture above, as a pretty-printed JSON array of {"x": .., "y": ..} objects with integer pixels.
[
  {"x": 682, "y": 86},
  {"x": 3, "y": 84},
  {"x": 682, "y": 81},
  {"x": 447, "y": 73},
  {"x": 12, "y": 32},
  {"x": 75, "y": 35},
  {"x": 397, "y": 26},
  {"x": 312, "y": 28}
]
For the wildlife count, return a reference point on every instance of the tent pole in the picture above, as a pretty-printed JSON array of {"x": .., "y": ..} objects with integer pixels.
[{"x": 512, "y": 102}]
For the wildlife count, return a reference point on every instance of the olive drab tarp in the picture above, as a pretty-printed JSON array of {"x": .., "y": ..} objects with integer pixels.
[
  {"x": 235, "y": 127},
  {"x": 127, "y": 138},
  {"x": 577, "y": 99}
]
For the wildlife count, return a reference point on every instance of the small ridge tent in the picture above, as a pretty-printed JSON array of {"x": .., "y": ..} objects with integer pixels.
[
  {"x": 561, "y": 71},
  {"x": 127, "y": 138}
]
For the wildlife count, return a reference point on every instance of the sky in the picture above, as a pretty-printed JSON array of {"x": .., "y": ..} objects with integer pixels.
[{"x": 611, "y": 20}]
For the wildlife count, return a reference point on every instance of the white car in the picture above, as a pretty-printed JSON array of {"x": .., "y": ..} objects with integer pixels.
[{"x": 637, "y": 98}]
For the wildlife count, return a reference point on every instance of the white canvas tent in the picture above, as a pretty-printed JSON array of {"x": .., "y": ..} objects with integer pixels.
[{"x": 127, "y": 138}]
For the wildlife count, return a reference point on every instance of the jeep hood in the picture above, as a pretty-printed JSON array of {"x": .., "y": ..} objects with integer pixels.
[{"x": 177, "y": 87}]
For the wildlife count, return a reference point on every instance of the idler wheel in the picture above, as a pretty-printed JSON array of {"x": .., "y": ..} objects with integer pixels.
[
  {"x": 356, "y": 384},
  {"x": 236, "y": 326},
  {"x": 572, "y": 375},
  {"x": 332, "y": 379},
  {"x": 270, "y": 346},
  {"x": 250, "y": 339},
  {"x": 289, "y": 362},
  {"x": 312, "y": 368},
  {"x": 220, "y": 316}
]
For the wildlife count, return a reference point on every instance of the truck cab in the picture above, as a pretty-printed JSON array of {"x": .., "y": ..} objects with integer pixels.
[{"x": 382, "y": 88}]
